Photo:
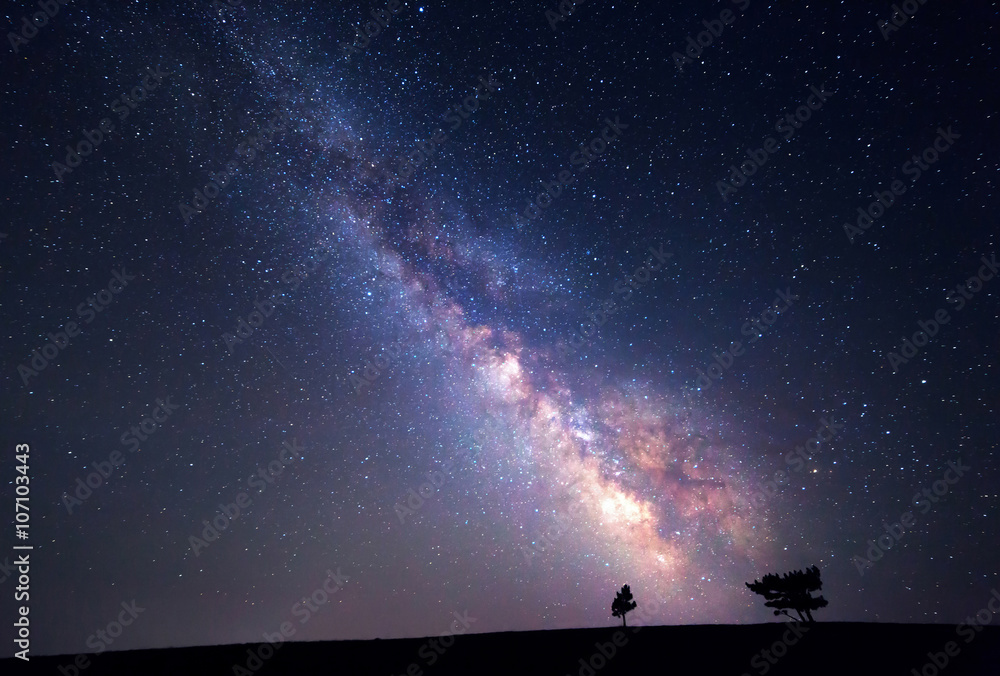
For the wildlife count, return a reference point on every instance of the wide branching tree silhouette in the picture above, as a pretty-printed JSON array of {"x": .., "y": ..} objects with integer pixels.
[
  {"x": 623, "y": 603},
  {"x": 791, "y": 590}
]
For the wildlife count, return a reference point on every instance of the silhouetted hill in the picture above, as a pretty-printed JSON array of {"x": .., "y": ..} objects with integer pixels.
[{"x": 825, "y": 648}]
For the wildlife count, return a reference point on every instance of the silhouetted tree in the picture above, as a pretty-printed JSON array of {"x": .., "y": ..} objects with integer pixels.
[
  {"x": 791, "y": 590},
  {"x": 623, "y": 603}
]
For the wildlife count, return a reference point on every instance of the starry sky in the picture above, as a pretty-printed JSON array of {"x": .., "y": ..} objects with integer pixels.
[{"x": 312, "y": 258}]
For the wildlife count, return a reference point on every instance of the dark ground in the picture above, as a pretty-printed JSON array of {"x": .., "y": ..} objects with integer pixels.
[{"x": 833, "y": 648}]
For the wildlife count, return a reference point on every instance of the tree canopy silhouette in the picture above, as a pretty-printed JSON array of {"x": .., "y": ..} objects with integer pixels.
[
  {"x": 623, "y": 603},
  {"x": 791, "y": 590}
]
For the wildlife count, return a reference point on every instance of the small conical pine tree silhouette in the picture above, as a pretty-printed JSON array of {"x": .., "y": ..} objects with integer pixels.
[{"x": 623, "y": 603}]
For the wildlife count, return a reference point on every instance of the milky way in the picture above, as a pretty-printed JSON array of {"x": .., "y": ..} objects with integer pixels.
[{"x": 502, "y": 410}]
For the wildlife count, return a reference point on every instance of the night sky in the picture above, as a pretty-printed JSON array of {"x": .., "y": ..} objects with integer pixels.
[{"x": 308, "y": 287}]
